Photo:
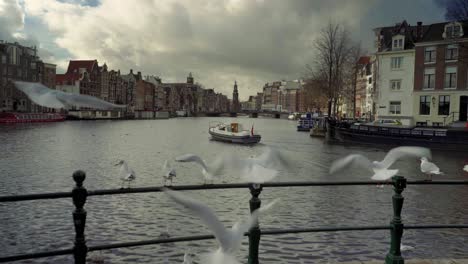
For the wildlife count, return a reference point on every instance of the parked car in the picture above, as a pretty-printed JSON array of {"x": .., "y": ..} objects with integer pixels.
[{"x": 387, "y": 122}]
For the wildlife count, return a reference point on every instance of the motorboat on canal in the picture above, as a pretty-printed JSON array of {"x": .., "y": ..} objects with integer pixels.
[{"x": 233, "y": 133}]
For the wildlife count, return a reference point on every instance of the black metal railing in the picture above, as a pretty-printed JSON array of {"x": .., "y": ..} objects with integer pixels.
[{"x": 79, "y": 195}]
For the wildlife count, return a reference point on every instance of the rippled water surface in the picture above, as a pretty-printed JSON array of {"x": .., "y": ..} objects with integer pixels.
[{"x": 37, "y": 158}]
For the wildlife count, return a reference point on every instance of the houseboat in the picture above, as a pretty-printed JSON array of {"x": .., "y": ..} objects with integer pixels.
[
  {"x": 446, "y": 138},
  {"x": 14, "y": 117},
  {"x": 233, "y": 133}
]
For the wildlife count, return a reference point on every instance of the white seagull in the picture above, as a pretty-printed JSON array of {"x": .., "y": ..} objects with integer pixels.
[
  {"x": 380, "y": 168},
  {"x": 43, "y": 96},
  {"x": 465, "y": 168},
  {"x": 126, "y": 174},
  {"x": 229, "y": 240},
  {"x": 210, "y": 171},
  {"x": 429, "y": 168},
  {"x": 260, "y": 169},
  {"x": 405, "y": 247},
  {"x": 168, "y": 173}
]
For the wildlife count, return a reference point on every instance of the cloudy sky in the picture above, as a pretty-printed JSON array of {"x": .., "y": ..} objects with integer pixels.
[{"x": 219, "y": 41}]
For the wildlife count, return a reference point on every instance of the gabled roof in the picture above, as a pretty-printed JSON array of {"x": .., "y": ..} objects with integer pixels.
[
  {"x": 364, "y": 60},
  {"x": 410, "y": 33},
  {"x": 75, "y": 65},
  {"x": 434, "y": 31}
]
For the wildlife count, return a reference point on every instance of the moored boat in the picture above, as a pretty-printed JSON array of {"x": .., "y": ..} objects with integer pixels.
[
  {"x": 16, "y": 117},
  {"x": 437, "y": 138},
  {"x": 233, "y": 133}
]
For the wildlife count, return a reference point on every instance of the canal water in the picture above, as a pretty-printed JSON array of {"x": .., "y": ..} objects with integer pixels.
[{"x": 36, "y": 158}]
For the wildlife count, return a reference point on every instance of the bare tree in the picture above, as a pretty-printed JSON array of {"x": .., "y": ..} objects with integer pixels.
[{"x": 333, "y": 47}]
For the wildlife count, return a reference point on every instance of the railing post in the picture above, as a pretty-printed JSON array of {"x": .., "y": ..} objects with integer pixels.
[
  {"x": 79, "y": 195},
  {"x": 396, "y": 231},
  {"x": 254, "y": 233}
]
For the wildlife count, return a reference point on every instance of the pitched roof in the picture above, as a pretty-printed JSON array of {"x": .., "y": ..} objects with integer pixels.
[
  {"x": 410, "y": 33},
  {"x": 75, "y": 65},
  {"x": 364, "y": 60},
  {"x": 434, "y": 31}
]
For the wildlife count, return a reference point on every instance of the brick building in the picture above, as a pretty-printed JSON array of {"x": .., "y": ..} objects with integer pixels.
[{"x": 440, "y": 81}]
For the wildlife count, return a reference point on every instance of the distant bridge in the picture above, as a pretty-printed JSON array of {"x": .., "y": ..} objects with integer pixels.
[{"x": 253, "y": 114}]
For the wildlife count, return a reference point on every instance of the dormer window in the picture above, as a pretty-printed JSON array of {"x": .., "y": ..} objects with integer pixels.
[
  {"x": 398, "y": 42},
  {"x": 453, "y": 30}
]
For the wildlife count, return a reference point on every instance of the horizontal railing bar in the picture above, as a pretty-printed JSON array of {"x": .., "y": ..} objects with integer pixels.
[
  {"x": 36, "y": 196},
  {"x": 14, "y": 198},
  {"x": 150, "y": 242},
  {"x": 37, "y": 255},
  {"x": 206, "y": 237}
]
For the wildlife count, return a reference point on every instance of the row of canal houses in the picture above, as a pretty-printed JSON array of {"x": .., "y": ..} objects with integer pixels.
[
  {"x": 139, "y": 93},
  {"x": 418, "y": 74}
]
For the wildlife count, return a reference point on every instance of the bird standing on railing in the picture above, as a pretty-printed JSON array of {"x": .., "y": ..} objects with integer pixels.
[
  {"x": 229, "y": 240},
  {"x": 126, "y": 174},
  {"x": 211, "y": 171},
  {"x": 168, "y": 173},
  {"x": 380, "y": 168},
  {"x": 429, "y": 168}
]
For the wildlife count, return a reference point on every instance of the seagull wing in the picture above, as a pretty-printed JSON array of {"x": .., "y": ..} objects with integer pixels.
[
  {"x": 40, "y": 94},
  {"x": 82, "y": 100},
  {"x": 465, "y": 168},
  {"x": 43, "y": 96},
  {"x": 241, "y": 227},
  {"x": 206, "y": 215},
  {"x": 357, "y": 159},
  {"x": 272, "y": 157},
  {"x": 258, "y": 174},
  {"x": 192, "y": 158},
  {"x": 400, "y": 152}
]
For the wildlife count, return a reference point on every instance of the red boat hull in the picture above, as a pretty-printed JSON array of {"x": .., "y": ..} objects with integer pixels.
[{"x": 10, "y": 117}]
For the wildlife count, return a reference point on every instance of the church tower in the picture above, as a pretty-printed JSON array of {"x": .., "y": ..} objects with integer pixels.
[
  {"x": 190, "y": 79},
  {"x": 235, "y": 99}
]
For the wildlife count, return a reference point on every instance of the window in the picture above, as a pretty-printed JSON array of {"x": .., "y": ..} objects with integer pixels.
[
  {"x": 4, "y": 61},
  {"x": 370, "y": 80},
  {"x": 429, "y": 78},
  {"x": 398, "y": 42},
  {"x": 444, "y": 104},
  {"x": 396, "y": 62},
  {"x": 425, "y": 105},
  {"x": 429, "y": 54},
  {"x": 451, "y": 52},
  {"x": 395, "y": 108},
  {"x": 395, "y": 85},
  {"x": 450, "y": 77}
]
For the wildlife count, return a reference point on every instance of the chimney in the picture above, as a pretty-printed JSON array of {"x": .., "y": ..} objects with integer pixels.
[
  {"x": 139, "y": 76},
  {"x": 419, "y": 31}
]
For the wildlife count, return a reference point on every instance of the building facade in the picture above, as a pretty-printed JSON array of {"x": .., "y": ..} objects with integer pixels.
[
  {"x": 395, "y": 71},
  {"x": 440, "y": 82},
  {"x": 364, "y": 88}
]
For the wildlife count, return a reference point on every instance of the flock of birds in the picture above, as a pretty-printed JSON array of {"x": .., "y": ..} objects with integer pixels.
[
  {"x": 254, "y": 170},
  {"x": 263, "y": 169}
]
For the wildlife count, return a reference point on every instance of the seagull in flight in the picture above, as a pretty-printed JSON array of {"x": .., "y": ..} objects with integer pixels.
[
  {"x": 465, "y": 168},
  {"x": 260, "y": 169},
  {"x": 429, "y": 168},
  {"x": 126, "y": 174},
  {"x": 380, "y": 168},
  {"x": 44, "y": 96},
  {"x": 209, "y": 171},
  {"x": 229, "y": 240},
  {"x": 168, "y": 173}
]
